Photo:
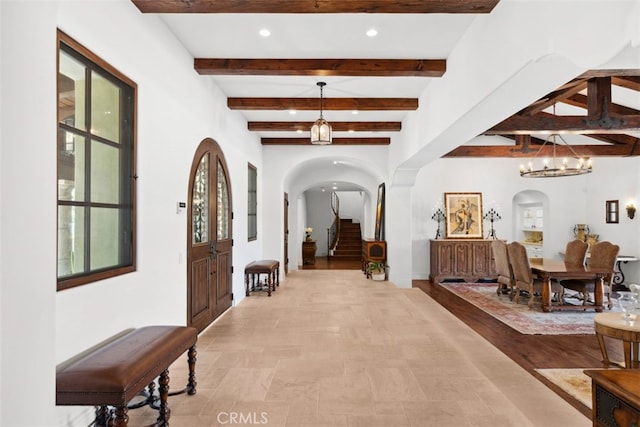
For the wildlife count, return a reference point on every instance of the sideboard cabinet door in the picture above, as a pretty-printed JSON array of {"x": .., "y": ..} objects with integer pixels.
[{"x": 467, "y": 260}]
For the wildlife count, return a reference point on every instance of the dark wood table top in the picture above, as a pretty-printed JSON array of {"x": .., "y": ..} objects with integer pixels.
[
  {"x": 558, "y": 268},
  {"x": 624, "y": 383}
]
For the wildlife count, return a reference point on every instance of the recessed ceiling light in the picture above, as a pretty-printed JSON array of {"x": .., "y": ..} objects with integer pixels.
[
  {"x": 372, "y": 32},
  {"x": 354, "y": 112},
  {"x": 292, "y": 112},
  {"x": 265, "y": 32},
  {"x": 351, "y": 131},
  {"x": 299, "y": 131}
]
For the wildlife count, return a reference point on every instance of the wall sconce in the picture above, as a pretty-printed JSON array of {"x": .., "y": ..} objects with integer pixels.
[{"x": 631, "y": 210}]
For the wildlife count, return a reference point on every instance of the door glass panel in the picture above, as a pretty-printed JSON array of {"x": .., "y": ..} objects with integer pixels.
[
  {"x": 70, "y": 240},
  {"x": 223, "y": 204},
  {"x": 200, "y": 202},
  {"x": 105, "y": 108},
  {"x": 105, "y": 173}
]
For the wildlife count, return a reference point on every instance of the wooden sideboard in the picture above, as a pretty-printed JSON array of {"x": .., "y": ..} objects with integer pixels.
[
  {"x": 469, "y": 260},
  {"x": 309, "y": 252},
  {"x": 615, "y": 397}
]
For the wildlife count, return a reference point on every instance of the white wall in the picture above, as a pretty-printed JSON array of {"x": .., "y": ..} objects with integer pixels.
[
  {"x": 176, "y": 110},
  {"x": 496, "y": 69}
]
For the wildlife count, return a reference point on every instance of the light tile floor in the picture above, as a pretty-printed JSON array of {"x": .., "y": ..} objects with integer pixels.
[{"x": 331, "y": 348}]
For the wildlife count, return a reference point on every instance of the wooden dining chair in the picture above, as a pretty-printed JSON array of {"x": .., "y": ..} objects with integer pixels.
[
  {"x": 502, "y": 266},
  {"x": 524, "y": 279},
  {"x": 576, "y": 252},
  {"x": 603, "y": 255}
]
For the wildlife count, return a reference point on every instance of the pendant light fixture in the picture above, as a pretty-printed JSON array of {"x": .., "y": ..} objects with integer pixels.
[
  {"x": 555, "y": 168},
  {"x": 321, "y": 129}
]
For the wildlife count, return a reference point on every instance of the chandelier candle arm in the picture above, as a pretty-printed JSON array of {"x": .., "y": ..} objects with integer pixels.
[{"x": 321, "y": 133}]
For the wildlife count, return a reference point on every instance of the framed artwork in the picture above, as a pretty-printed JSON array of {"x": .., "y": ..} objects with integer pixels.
[
  {"x": 379, "y": 233},
  {"x": 463, "y": 215}
]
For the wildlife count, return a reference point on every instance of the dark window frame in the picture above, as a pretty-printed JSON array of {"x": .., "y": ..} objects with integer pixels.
[
  {"x": 252, "y": 203},
  {"x": 126, "y": 206}
]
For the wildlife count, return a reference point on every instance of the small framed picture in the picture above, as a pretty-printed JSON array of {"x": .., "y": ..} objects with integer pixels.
[{"x": 463, "y": 215}]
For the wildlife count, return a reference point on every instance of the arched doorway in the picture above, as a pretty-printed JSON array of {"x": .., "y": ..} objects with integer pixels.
[{"x": 209, "y": 236}]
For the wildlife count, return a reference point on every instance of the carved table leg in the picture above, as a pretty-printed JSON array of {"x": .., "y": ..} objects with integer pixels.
[
  {"x": 191, "y": 357},
  {"x": 102, "y": 416},
  {"x": 165, "y": 412},
  {"x": 121, "y": 418}
]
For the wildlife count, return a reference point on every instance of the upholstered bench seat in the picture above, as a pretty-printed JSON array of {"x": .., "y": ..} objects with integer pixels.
[
  {"x": 114, "y": 373},
  {"x": 253, "y": 270}
]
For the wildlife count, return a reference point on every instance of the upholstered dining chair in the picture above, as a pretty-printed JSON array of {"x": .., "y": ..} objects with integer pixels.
[
  {"x": 502, "y": 266},
  {"x": 524, "y": 279},
  {"x": 603, "y": 255},
  {"x": 576, "y": 252}
]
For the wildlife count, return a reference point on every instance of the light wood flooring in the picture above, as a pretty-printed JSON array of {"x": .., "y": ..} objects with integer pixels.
[{"x": 331, "y": 348}]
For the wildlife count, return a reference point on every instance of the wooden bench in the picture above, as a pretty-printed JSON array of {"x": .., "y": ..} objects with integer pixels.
[
  {"x": 253, "y": 270},
  {"x": 112, "y": 374}
]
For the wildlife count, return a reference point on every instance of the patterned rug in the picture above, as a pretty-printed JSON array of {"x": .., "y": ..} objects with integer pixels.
[
  {"x": 572, "y": 381},
  {"x": 519, "y": 316}
]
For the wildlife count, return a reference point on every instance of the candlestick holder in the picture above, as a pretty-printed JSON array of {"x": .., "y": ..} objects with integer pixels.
[
  {"x": 438, "y": 216},
  {"x": 492, "y": 216}
]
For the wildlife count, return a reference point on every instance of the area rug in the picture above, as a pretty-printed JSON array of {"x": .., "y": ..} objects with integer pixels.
[
  {"x": 572, "y": 381},
  {"x": 519, "y": 316}
]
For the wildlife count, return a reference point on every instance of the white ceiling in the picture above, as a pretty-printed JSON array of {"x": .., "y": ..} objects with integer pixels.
[{"x": 425, "y": 36}]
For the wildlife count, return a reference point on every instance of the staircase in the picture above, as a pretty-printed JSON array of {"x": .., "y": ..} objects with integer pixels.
[{"x": 349, "y": 245}]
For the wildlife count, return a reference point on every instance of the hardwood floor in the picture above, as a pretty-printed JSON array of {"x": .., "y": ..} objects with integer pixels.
[{"x": 528, "y": 351}]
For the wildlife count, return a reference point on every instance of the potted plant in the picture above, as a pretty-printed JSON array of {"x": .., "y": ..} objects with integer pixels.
[{"x": 377, "y": 270}]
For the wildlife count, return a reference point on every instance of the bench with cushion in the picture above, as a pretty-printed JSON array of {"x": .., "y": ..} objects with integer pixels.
[
  {"x": 253, "y": 270},
  {"x": 112, "y": 374}
]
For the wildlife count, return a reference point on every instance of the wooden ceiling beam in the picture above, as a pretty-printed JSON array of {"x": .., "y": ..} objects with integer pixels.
[
  {"x": 321, "y": 67},
  {"x": 317, "y": 6},
  {"x": 568, "y": 89},
  {"x": 580, "y": 100},
  {"x": 547, "y": 123},
  {"x": 336, "y": 126},
  {"x": 336, "y": 141},
  {"x": 337, "y": 104},
  {"x": 547, "y": 151},
  {"x": 629, "y": 82}
]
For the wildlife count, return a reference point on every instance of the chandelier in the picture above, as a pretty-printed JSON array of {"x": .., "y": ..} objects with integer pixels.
[
  {"x": 321, "y": 129},
  {"x": 554, "y": 167}
]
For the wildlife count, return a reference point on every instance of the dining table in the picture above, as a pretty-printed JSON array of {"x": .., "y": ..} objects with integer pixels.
[{"x": 548, "y": 269}]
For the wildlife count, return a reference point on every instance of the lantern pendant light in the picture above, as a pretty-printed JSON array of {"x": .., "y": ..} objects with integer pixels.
[{"x": 321, "y": 129}]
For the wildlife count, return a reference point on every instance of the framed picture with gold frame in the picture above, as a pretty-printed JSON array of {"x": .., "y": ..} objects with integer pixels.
[{"x": 463, "y": 215}]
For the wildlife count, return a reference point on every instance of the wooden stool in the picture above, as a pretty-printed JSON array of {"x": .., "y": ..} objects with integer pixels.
[
  {"x": 253, "y": 270},
  {"x": 613, "y": 325}
]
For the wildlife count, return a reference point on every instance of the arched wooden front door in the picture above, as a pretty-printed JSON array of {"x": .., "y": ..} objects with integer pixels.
[{"x": 209, "y": 237}]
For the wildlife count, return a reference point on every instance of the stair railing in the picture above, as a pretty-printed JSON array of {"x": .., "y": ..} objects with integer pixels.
[{"x": 334, "y": 231}]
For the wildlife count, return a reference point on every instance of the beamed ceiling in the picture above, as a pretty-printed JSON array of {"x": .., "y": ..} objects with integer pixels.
[{"x": 585, "y": 106}]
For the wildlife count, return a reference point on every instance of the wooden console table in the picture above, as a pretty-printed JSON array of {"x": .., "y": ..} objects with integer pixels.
[
  {"x": 457, "y": 259},
  {"x": 309, "y": 252},
  {"x": 616, "y": 400}
]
